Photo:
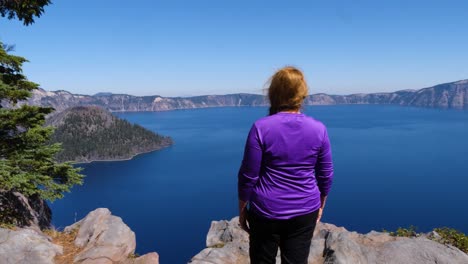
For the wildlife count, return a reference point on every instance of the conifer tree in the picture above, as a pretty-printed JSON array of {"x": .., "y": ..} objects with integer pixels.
[
  {"x": 27, "y": 159},
  {"x": 24, "y": 10}
]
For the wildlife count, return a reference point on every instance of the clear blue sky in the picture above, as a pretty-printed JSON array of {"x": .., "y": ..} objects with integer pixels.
[{"x": 180, "y": 48}]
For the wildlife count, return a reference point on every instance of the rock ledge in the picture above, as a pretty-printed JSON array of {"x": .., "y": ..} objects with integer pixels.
[
  {"x": 101, "y": 237},
  {"x": 227, "y": 243}
]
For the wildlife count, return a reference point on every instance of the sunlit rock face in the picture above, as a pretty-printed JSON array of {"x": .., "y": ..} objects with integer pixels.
[
  {"x": 101, "y": 238},
  {"x": 227, "y": 243}
]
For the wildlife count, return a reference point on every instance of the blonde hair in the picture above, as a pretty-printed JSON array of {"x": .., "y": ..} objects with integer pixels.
[{"x": 287, "y": 90}]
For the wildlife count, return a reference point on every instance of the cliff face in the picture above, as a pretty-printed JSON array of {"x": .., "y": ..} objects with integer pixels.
[
  {"x": 21, "y": 211},
  {"x": 448, "y": 96},
  {"x": 61, "y": 100}
]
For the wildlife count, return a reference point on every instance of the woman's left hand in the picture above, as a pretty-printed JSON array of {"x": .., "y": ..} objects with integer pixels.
[
  {"x": 323, "y": 200},
  {"x": 319, "y": 216}
]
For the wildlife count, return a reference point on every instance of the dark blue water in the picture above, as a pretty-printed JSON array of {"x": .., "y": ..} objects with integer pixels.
[{"x": 394, "y": 167}]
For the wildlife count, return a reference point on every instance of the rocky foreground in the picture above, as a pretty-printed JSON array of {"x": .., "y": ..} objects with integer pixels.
[
  {"x": 227, "y": 243},
  {"x": 99, "y": 238},
  {"x": 102, "y": 238}
]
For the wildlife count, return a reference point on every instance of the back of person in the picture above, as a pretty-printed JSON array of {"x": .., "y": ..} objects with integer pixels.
[
  {"x": 291, "y": 146},
  {"x": 285, "y": 176}
]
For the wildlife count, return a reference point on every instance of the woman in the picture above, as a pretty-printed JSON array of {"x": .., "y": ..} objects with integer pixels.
[{"x": 285, "y": 176}]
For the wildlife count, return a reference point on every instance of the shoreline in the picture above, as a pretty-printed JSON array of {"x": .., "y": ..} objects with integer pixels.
[
  {"x": 306, "y": 105},
  {"x": 122, "y": 159}
]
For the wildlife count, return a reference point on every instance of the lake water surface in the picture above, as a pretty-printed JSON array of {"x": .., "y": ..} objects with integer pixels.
[{"x": 394, "y": 167}]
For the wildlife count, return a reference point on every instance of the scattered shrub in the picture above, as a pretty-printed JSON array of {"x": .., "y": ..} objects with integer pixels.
[
  {"x": 446, "y": 236},
  {"x": 450, "y": 236}
]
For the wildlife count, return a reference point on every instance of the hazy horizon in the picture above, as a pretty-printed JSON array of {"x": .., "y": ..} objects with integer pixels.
[
  {"x": 258, "y": 93},
  {"x": 186, "y": 48}
]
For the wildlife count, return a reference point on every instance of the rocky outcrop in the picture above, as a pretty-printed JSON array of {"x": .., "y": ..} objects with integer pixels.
[
  {"x": 452, "y": 95},
  {"x": 101, "y": 238},
  {"x": 227, "y": 243},
  {"x": 106, "y": 239},
  {"x": 19, "y": 210},
  {"x": 26, "y": 246}
]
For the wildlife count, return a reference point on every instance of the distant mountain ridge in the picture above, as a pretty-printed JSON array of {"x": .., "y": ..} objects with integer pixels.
[{"x": 452, "y": 95}]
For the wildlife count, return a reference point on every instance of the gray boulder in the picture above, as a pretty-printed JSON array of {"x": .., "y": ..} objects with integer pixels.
[
  {"x": 26, "y": 246},
  {"x": 227, "y": 243},
  {"x": 104, "y": 238}
]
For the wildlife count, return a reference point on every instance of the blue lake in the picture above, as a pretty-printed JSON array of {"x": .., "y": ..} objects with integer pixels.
[{"x": 394, "y": 167}]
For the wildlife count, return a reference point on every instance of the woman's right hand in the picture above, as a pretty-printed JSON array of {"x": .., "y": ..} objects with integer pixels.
[
  {"x": 243, "y": 216},
  {"x": 243, "y": 221}
]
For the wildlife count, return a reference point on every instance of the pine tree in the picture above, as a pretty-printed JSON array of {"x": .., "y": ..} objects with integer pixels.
[
  {"x": 24, "y": 10},
  {"x": 27, "y": 159}
]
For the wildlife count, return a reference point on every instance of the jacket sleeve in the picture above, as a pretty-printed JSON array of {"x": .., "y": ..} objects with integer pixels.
[
  {"x": 324, "y": 166},
  {"x": 250, "y": 168}
]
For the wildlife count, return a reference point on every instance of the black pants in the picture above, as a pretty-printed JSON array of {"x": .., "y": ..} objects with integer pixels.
[{"x": 292, "y": 236}]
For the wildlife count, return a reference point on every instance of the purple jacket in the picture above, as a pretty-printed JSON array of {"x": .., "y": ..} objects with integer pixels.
[{"x": 287, "y": 165}]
